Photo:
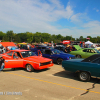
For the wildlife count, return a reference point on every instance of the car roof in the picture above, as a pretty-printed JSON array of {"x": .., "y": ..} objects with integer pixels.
[
  {"x": 19, "y": 50},
  {"x": 91, "y": 58}
]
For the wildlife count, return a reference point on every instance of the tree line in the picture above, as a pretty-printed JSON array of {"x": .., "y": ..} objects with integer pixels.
[{"x": 38, "y": 37}]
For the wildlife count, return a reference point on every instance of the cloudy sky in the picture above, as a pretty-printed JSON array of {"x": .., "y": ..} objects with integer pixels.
[{"x": 65, "y": 17}]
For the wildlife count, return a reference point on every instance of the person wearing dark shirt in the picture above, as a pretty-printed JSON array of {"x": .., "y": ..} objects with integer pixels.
[
  {"x": 73, "y": 48},
  {"x": 1, "y": 63},
  {"x": 67, "y": 49}
]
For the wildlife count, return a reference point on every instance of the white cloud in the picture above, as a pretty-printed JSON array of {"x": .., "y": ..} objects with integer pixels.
[
  {"x": 36, "y": 16},
  {"x": 97, "y": 10},
  {"x": 92, "y": 24},
  {"x": 27, "y": 13}
]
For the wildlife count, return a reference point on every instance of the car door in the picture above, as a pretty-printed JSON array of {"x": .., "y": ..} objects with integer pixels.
[
  {"x": 95, "y": 67},
  {"x": 51, "y": 55},
  {"x": 10, "y": 62},
  {"x": 46, "y": 53},
  {"x": 86, "y": 53}
]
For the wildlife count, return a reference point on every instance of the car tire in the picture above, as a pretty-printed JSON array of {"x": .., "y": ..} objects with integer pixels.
[
  {"x": 59, "y": 61},
  {"x": 12, "y": 69},
  {"x": 84, "y": 76},
  {"x": 29, "y": 68},
  {"x": 78, "y": 56}
]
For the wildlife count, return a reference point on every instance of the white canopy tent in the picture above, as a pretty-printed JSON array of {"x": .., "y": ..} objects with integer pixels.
[{"x": 88, "y": 42}]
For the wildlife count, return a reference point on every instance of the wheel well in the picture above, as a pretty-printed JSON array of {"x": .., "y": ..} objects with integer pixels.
[
  {"x": 59, "y": 58},
  {"x": 28, "y": 64},
  {"x": 79, "y": 55}
]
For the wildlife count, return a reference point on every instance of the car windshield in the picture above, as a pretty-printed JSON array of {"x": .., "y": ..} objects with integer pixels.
[
  {"x": 27, "y": 54},
  {"x": 55, "y": 51},
  {"x": 96, "y": 51}
]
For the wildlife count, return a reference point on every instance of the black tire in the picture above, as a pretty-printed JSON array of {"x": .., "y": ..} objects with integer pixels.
[
  {"x": 78, "y": 56},
  {"x": 84, "y": 76},
  {"x": 29, "y": 68},
  {"x": 59, "y": 61},
  {"x": 12, "y": 69}
]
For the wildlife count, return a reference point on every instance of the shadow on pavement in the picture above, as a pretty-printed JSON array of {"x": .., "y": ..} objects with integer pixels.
[
  {"x": 74, "y": 76},
  {"x": 18, "y": 69}
]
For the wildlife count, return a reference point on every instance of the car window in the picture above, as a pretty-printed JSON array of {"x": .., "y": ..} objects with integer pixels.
[
  {"x": 27, "y": 54},
  {"x": 96, "y": 61},
  {"x": 47, "y": 52},
  {"x": 43, "y": 47},
  {"x": 9, "y": 54},
  {"x": 38, "y": 47},
  {"x": 18, "y": 54},
  {"x": 85, "y": 50}
]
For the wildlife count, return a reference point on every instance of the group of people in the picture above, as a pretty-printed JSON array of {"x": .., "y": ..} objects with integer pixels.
[
  {"x": 25, "y": 46},
  {"x": 69, "y": 48}
]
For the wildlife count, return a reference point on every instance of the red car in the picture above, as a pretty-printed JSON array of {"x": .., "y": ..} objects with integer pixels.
[{"x": 25, "y": 59}]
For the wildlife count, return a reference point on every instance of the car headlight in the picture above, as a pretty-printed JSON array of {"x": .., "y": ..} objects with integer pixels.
[
  {"x": 51, "y": 61},
  {"x": 39, "y": 64}
]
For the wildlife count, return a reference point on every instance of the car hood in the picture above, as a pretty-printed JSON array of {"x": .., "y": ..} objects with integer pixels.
[
  {"x": 76, "y": 60},
  {"x": 66, "y": 54},
  {"x": 77, "y": 47},
  {"x": 37, "y": 59}
]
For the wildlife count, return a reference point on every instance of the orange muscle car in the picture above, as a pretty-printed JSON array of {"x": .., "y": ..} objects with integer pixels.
[{"x": 25, "y": 59}]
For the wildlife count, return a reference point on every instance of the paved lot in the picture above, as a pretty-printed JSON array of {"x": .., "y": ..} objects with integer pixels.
[{"x": 50, "y": 84}]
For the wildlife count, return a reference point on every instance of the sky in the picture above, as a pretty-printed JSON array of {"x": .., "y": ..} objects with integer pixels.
[{"x": 66, "y": 17}]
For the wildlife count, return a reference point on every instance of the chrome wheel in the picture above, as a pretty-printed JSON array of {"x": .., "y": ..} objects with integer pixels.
[
  {"x": 84, "y": 76},
  {"x": 29, "y": 68}
]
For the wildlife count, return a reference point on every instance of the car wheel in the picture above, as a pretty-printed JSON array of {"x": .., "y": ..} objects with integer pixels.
[
  {"x": 84, "y": 76},
  {"x": 12, "y": 69},
  {"x": 78, "y": 56},
  {"x": 29, "y": 68},
  {"x": 59, "y": 61}
]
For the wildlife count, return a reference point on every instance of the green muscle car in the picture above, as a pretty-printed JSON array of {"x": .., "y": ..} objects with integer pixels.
[{"x": 85, "y": 52}]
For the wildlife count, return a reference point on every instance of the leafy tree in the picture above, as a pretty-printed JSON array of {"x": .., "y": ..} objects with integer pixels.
[
  {"x": 5, "y": 38},
  {"x": 23, "y": 37},
  {"x": 10, "y": 35},
  {"x": 29, "y": 37},
  {"x": 46, "y": 37},
  {"x": 81, "y": 38},
  {"x": 17, "y": 38},
  {"x": 2, "y": 35}
]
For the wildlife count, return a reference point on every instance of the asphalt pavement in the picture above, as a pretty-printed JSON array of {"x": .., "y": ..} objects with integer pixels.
[{"x": 53, "y": 83}]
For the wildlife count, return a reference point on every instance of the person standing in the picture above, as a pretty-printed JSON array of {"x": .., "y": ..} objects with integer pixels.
[
  {"x": 28, "y": 46},
  {"x": 1, "y": 63}
]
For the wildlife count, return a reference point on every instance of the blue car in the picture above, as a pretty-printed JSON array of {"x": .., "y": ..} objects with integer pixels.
[
  {"x": 60, "y": 48},
  {"x": 40, "y": 47},
  {"x": 56, "y": 55}
]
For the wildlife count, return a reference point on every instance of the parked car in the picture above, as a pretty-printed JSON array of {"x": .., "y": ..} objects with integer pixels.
[
  {"x": 56, "y": 55},
  {"x": 85, "y": 52},
  {"x": 84, "y": 67},
  {"x": 59, "y": 44},
  {"x": 41, "y": 47},
  {"x": 26, "y": 59},
  {"x": 60, "y": 48}
]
